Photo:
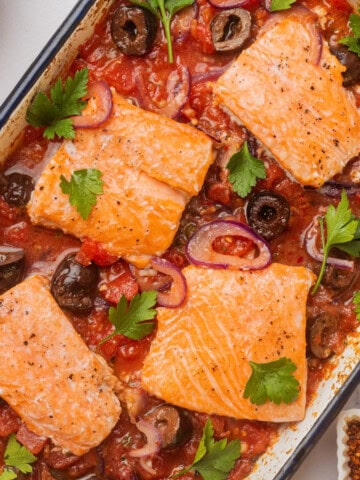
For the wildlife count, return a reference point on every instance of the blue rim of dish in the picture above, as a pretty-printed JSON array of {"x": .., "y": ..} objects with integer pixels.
[
  {"x": 43, "y": 59},
  {"x": 13, "y": 100},
  {"x": 323, "y": 422}
]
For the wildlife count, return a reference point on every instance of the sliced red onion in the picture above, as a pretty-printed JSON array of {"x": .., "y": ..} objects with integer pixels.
[
  {"x": 334, "y": 189},
  {"x": 47, "y": 268},
  {"x": 209, "y": 76},
  {"x": 177, "y": 92},
  {"x": 10, "y": 255},
  {"x": 99, "y": 106},
  {"x": 307, "y": 19},
  {"x": 227, "y": 4},
  {"x": 153, "y": 440},
  {"x": 200, "y": 250},
  {"x": 312, "y": 249},
  {"x": 148, "y": 279},
  {"x": 177, "y": 294}
]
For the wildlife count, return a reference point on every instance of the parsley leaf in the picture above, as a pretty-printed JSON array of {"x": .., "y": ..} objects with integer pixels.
[
  {"x": 16, "y": 456},
  {"x": 356, "y": 301},
  {"x": 164, "y": 11},
  {"x": 213, "y": 460},
  {"x": 341, "y": 228},
  {"x": 244, "y": 170},
  {"x": 277, "y": 5},
  {"x": 8, "y": 474},
  {"x": 131, "y": 320},
  {"x": 353, "y": 42},
  {"x": 65, "y": 101},
  {"x": 272, "y": 381},
  {"x": 82, "y": 189}
]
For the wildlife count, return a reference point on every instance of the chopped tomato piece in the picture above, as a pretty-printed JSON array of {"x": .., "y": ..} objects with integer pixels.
[
  {"x": 9, "y": 421},
  {"x": 34, "y": 443},
  {"x": 118, "y": 281},
  {"x": 231, "y": 245},
  {"x": 94, "y": 251}
]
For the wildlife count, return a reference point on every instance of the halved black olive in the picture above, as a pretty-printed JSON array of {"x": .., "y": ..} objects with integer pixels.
[
  {"x": 133, "y": 30},
  {"x": 268, "y": 213},
  {"x": 11, "y": 266},
  {"x": 174, "y": 427},
  {"x": 323, "y": 327},
  {"x": 350, "y": 60},
  {"x": 230, "y": 29},
  {"x": 16, "y": 188},
  {"x": 74, "y": 286}
]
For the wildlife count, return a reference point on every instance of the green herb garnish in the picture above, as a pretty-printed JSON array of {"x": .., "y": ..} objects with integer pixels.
[
  {"x": 64, "y": 102},
  {"x": 342, "y": 232},
  {"x": 132, "y": 320},
  {"x": 272, "y": 381},
  {"x": 244, "y": 170},
  {"x": 82, "y": 189},
  {"x": 277, "y": 5},
  {"x": 213, "y": 460},
  {"x": 356, "y": 302},
  {"x": 353, "y": 42},
  {"x": 16, "y": 458},
  {"x": 164, "y": 10}
]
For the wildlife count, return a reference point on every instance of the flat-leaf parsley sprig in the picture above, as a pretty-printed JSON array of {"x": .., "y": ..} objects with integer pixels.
[
  {"x": 213, "y": 460},
  {"x": 82, "y": 189},
  {"x": 353, "y": 42},
  {"x": 356, "y": 302},
  {"x": 277, "y": 5},
  {"x": 164, "y": 10},
  {"x": 132, "y": 320},
  {"x": 272, "y": 381},
  {"x": 16, "y": 458},
  {"x": 65, "y": 101},
  {"x": 342, "y": 232},
  {"x": 244, "y": 171}
]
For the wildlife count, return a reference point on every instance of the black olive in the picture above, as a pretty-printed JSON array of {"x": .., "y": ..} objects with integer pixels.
[
  {"x": 74, "y": 286},
  {"x": 11, "y": 266},
  {"x": 350, "y": 60},
  {"x": 230, "y": 29},
  {"x": 174, "y": 427},
  {"x": 323, "y": 327},
  {"x": 133, "y": 30},
  {"x": 268, "y": 213},
  {"x": 16, "y": 188}
]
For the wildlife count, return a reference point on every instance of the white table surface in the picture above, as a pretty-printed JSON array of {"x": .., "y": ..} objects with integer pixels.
[{"x": 25, "y": 27}]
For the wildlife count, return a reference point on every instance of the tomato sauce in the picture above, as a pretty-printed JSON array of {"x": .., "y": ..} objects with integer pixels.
[{"x": 144, "y": 79}]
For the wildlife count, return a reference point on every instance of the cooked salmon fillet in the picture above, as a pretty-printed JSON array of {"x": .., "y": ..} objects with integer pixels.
[
  {"x": 297, "y": 107},
  {"x": 150, "y": 166},
  {"x": 200, "y": 357},
  {"x": 59, "y": 387}
]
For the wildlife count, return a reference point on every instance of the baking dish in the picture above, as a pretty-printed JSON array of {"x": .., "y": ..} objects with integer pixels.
[{"x": 296, "y": 440}]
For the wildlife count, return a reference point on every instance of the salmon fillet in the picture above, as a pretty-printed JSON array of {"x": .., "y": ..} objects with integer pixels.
[
  {"x": 150, "y": 166},
  {"x": 295, "y": 107},
  {"x": 60, "y": 388},
  {"x": 229, "y": 318}
]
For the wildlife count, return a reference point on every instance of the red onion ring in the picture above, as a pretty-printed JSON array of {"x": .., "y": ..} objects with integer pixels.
[
  {"x": 148, "y": 279},
  {"x": 177, "y": 88},
  {"x": 153, "y": 440},
  {"x": 10, "y": 255},
  {"x": 334, "y": 189},
  {"x": 199, "y": 249},
  {"x": 307, "y": 19},
  {"x": 177, "y": 294},
  {"x": 227, "y": 4},
  {"x": 310, "y": 245},
  {"x": 99, "y": 106},
  {"x": 210, "y": 75}
]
